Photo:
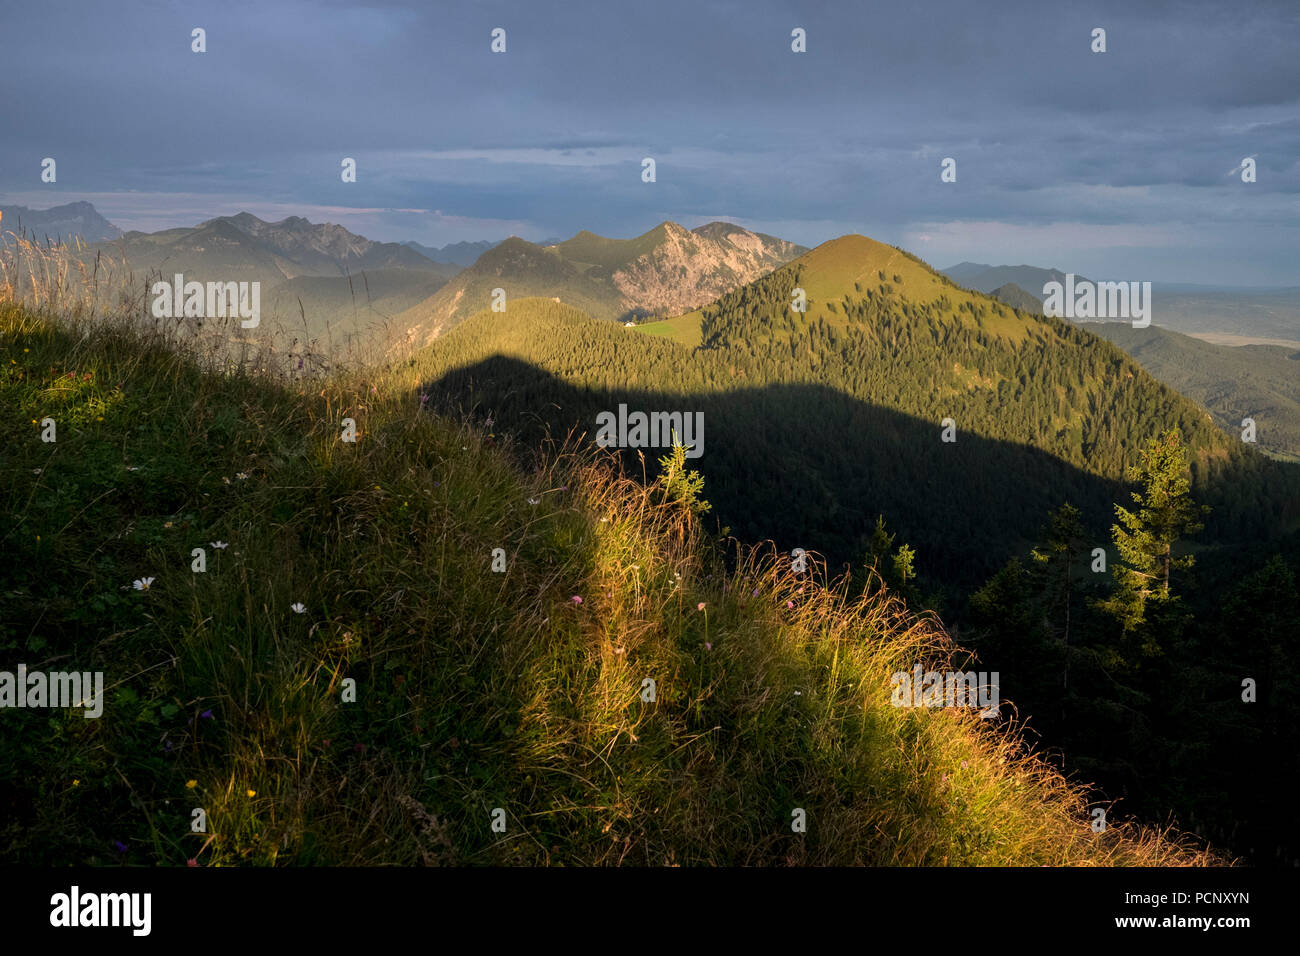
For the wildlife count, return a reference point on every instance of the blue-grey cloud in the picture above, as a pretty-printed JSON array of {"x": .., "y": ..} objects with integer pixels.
[{"x": 454, "y": 142}]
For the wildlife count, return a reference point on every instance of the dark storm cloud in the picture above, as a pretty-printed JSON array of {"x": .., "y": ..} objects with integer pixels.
[{"x": 1059, "y": 150}]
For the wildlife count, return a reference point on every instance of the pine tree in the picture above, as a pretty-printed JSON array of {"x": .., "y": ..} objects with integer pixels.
[
  {"x": 681, "y": 485},
  {"x": 1145, "y": 539}
]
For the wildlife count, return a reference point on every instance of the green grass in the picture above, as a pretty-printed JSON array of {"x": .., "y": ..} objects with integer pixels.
[
  {"x": 684, "y": 329},
  {"x": 475, "y": 690}
]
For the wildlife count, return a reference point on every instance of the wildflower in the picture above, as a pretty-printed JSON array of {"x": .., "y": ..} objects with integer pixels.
[
  {"x": 191, "y": 784},
  {"x": 142, "y": 584},
  {"x": 191, "y": 862},
  {"x": 219, "y": 545},
  {"x": 207, "y": 714},
  {"x": 252, "y": 793},
  {"x": 76, "y": 783},
  {"x": 225, "y": 480},
  {"x": 298, "y": 607},
  {"x": 532, "y": 501},
  {"x": 121, "y": 847},
  {"x": 700, "y": 606},
  {"x": 789, "y": 603},
  {"x": 575, "y": 599},
  {"x": 488, "y": 422},
  {"x": 963, "y": 765},
  {"x": 798, "y": 693},
  {"x": 242, "y": 475},
  {"x": 36, "y": 471},
  {"x": 708, "y": 646},
  {"x": 424, "y": 399},
  {"x": 167, "y": 524},
  {"x": 132, "y": 467}
]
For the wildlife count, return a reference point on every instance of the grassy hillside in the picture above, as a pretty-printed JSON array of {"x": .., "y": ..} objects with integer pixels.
[
  {"x": 1256, "y": 381},
  {"x": 475, "y": 690},
  {"x": 524, "y": 270}
]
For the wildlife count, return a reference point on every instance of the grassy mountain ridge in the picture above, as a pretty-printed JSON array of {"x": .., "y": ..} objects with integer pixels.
[
  {"x": 522, "y": 690},
  {"x": 663, "y": 271}
]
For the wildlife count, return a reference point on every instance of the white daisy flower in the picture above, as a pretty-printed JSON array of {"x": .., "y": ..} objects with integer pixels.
[
  {"x": 219, "y": 545},
  {"x": 142, "y": 584},
  {"x": 298, "y": 608}
]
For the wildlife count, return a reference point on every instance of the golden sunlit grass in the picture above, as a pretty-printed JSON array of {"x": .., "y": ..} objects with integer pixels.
[{"x": 475, "y": 690}]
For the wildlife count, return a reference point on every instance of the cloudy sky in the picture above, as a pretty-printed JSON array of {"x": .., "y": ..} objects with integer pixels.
[{"x": 1120, "y": 164}]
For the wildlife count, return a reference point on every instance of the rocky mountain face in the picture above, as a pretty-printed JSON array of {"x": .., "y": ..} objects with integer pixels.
[{"x": 685, "y": 269}]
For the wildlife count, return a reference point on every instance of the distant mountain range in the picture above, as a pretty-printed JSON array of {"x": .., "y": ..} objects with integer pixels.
[
  {"x": 320, "y": 283},
  {"x": 58, "y": 222},
  {"x": 244, "y": 246},
  {"x": 456, "y": 253},
  {"x": 985, "y": 278},
  {"x": 1236, "y": 316},
  {"x": 665, "y": 271}
]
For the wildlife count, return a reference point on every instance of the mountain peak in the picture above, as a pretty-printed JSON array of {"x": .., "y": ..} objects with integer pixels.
[{"x": 70, "y": 219}]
